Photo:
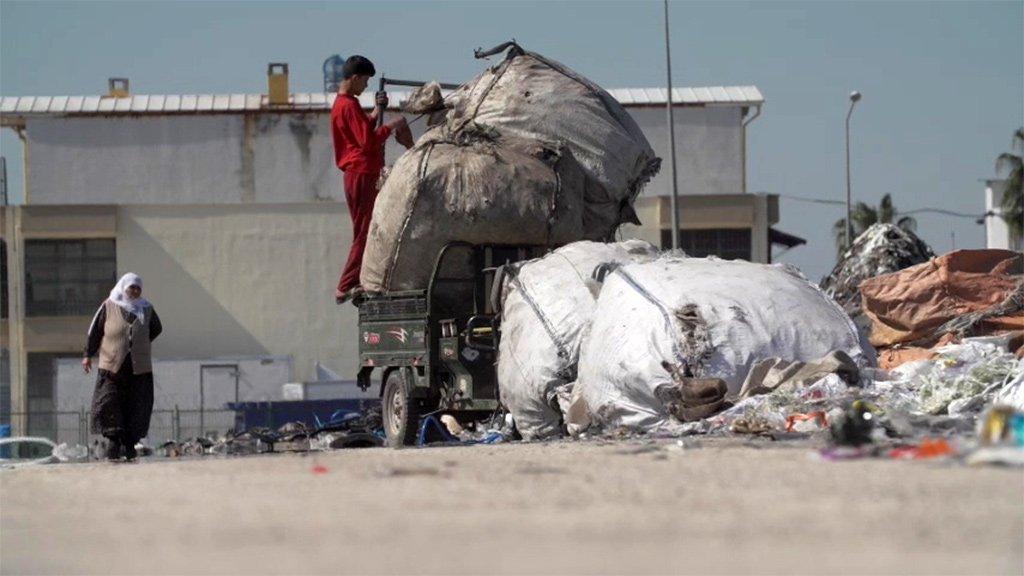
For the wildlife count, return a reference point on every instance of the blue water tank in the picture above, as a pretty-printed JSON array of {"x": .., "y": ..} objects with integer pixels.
[{"x": 332, "y": 73}]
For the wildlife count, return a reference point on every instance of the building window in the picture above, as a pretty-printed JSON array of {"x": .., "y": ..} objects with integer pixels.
[
  {"x": 68, "y": 277},
  {"x": 726, "y": 243}
]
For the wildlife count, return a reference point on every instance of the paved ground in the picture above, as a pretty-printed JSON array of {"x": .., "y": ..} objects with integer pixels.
[{"x": 713, "y": 507}]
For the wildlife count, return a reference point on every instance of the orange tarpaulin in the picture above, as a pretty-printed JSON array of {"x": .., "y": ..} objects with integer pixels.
[{"x": 911, "y": 305}]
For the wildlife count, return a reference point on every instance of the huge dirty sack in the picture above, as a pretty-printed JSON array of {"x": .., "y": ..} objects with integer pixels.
[
  {"x": 547, "y": 304},
  {"x": 473, "y": 186},
  {"x": 531, "y": 96},
  {"x": 705, "y": 317},
  {"x": 529, "y": 153},
  {"x": 966, "y": 293},
  {"x": 881, "y": 249}
]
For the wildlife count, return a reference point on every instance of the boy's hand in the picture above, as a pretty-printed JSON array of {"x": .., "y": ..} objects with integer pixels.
[
  {"x": 397, "y": 123},
  {"x": 86, "y": 364},
  {"x": 382, "y": 99}
]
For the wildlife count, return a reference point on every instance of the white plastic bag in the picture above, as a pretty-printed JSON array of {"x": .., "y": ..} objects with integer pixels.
[
  {"x": 547, "y": 304},
  {"x": 713, "y": 317}
]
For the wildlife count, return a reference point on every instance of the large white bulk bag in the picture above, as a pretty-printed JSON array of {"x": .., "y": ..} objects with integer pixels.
[
  {"x": 714, "y": 318},
  {"x": 472, "y": 186},
  {"x": 530, "y": 96},
  {"x": 547, "y": 304}
]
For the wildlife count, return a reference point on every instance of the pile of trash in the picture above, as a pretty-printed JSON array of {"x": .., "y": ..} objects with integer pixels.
[
  {"x": 618, "y": 336},
  {"x": 615, "y": 339},
  {"x": 961, "y": 294},
  {"x": 344, "y": 429},
  {"x": 946, "y": 392},
  {"x": 529, "y": 153},
  {"x": 881, "y": 249}
]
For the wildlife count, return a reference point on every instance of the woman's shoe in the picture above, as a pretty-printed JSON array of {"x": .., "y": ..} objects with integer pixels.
[{"x": 113, "y": 450}]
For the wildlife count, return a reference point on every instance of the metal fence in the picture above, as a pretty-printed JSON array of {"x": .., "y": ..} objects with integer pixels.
[{"x": 75, "y": 427}]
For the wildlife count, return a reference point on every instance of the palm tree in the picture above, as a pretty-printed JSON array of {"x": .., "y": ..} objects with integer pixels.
[
  {"x": 1013, "y": 197},
  {"x": 863, "y": 216}
]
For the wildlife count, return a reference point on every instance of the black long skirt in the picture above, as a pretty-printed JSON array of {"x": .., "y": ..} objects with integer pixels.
[{"x": 122, "y": 404}]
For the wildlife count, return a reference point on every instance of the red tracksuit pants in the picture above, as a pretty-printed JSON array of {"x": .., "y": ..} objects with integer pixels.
[{"x": 360, "y": 193}]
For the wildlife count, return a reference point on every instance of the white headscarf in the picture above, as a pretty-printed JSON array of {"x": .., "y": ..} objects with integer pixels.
[{"x": 119, "y": 296}]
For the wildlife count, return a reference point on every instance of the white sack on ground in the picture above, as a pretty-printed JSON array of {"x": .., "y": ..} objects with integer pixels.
[
  {"x": 533, "y": 97},
  {"x": 472, "y": 186},
  {"x": 547, "y": 305},
  {"x": 714, "y": 317}
]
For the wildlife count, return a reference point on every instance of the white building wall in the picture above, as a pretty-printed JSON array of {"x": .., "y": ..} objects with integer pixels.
[
  {"x": 245, "y": 280},
  {"x": 199, "y": 159},
  {"x": 709, "y": 149},
  {"x": 242, "y": 158},
  {"x": 176, "y": 382},
  {"x": 997, "y": 232}
]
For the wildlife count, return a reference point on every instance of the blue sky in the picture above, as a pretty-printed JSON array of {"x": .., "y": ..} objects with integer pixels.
[{"x": 943, "y": 82}]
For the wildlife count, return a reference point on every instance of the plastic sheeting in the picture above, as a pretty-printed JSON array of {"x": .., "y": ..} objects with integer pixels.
[
  {"x": 927, "y": 301},
  {"x": 713, "y": 318},
  {"x": 547, "y": 305}
]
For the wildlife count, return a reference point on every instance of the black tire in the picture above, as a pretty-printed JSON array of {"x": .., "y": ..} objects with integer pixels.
[{"x": 401, "y": 413}]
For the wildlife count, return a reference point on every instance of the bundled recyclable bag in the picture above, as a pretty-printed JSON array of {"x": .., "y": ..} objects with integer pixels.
[
  {"x": 529, "y": 153},
  {"x": 705, "y": 318},
  {"x": 531, "y": 96},
  {"x": 546, "y": 306},
  {"x": 471, "y": 186}
]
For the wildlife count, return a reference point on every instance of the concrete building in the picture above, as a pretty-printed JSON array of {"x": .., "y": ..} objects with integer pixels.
[
  {"x": 997, "y": 233},
  {"x": 232, "y": 210}
]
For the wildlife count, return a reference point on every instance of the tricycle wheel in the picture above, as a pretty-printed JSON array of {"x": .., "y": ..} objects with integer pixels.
[{"x": 401, "y": 413}]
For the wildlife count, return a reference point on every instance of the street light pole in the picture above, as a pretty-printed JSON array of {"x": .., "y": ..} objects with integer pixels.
[
  {"x": 671, "y": 139},
  {"x": 854, "y": 98}
]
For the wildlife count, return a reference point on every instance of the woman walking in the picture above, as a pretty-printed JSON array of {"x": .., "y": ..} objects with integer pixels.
[{"x": 121, "y": 333}]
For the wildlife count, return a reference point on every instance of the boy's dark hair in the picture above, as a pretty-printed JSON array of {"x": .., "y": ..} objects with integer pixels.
[{"x": 357, "y": 65}]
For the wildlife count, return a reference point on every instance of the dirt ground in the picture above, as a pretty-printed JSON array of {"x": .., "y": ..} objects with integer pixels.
[{"x": 560, "y": 508}]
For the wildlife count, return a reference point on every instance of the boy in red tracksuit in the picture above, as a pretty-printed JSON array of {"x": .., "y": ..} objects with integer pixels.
[{"x": 359, "y": 153}]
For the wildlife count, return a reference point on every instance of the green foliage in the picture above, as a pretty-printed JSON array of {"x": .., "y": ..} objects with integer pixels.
[
  {"x": 1010, "y": 165},
  {"x": 863, "y": 216}
]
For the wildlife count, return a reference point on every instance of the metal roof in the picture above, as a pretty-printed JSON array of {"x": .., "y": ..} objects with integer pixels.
[{"x": 229, "y": 103}]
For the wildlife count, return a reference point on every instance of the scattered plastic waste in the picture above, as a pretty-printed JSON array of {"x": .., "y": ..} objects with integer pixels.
[
  {"x": 930, "y": 448},
  {"x": 58, "y": 453},
  {"x": 811, "y": 422},
  {"x": 435, "y": 430},
  {"x": 1002, "y": 425},
  {"x": 72, "y": 453},
  {"x": 998, "y": 455},
  {"x": 837, "y": 453},
  {"x": 453, "y": 426}
]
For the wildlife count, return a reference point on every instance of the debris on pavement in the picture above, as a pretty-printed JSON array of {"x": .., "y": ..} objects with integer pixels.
[{"x": 57, "y": 453}]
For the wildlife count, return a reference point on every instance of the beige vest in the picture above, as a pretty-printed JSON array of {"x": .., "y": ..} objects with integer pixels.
[{"x": 120, "y": 338}]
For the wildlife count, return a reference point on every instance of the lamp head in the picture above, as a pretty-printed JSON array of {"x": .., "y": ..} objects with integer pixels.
[{"x": 854, "y": 96}]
